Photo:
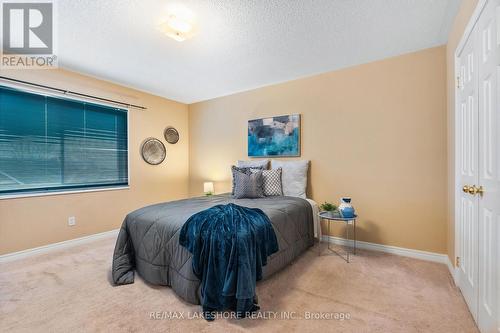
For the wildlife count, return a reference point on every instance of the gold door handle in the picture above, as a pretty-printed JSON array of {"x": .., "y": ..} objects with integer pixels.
[
  {"x": 466, "y": 188},
  {"x": 472, "y": 190},
  {"x": 479, "y": 190},
  {"x": 476, "y": 190}
]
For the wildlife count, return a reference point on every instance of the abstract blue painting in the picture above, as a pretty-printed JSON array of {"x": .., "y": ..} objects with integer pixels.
[{"x": 275, "y": 136}]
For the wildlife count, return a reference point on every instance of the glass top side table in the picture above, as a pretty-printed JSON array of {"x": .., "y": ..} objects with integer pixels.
[{"x": 332, "y": 217}]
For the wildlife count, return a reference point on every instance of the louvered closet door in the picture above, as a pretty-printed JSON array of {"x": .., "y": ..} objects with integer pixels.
[
  {"x": 467, "y": 159},
  {"x": 489, "y": 166}
]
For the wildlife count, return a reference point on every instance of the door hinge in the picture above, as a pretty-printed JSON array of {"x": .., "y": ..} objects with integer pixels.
[
  {"x": 458, "y": 82},
  {"x": 457, "y": 261}
]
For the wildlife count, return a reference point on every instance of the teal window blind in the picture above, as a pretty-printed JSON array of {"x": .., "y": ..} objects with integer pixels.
[{"x": 54, "y": 144}]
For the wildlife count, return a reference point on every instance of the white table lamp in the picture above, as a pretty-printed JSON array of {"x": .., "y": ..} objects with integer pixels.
[{"x": 208, "y": 188}]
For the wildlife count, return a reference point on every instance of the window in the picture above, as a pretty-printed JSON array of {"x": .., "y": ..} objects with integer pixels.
[{"x": 52, "y": 144}]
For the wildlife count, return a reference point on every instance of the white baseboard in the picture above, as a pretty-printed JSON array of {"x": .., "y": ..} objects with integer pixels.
[
  {"x": 417, "y": 254},
  {"x": 57, "y": 246},
  {"x": 452, "y": 269},
  {"x": 400, "y": 251}
]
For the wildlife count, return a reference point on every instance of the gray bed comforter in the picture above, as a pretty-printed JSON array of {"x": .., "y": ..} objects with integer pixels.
[{"x": 148, "y": 241}]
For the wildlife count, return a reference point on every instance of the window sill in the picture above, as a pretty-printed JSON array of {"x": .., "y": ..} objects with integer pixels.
[{"x": 44, "y": 194}]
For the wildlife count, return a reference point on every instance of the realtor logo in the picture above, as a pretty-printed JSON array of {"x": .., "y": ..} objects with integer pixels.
[
  {"x": 27, "y": 28},
  {"x": 28, "y": 35}
]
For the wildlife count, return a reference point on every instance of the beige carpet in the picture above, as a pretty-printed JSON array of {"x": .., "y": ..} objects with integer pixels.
[{"x": 69, "y": 291}]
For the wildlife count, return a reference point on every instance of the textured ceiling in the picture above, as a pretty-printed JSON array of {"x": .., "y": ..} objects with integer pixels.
[{"x": 241, "y": 44}]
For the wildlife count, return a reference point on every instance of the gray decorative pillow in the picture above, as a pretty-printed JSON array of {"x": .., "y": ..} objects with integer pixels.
[
  {"x": 248, "y": 186},
  {"x": 243, "y": 170},
  {"x": 294, "y": 177},
  {"x": 272, "y": 182},
  {"x": 261, "y": 164}
]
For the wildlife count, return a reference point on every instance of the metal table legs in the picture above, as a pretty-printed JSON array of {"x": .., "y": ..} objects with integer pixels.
[{"x": 347, "y": 253}]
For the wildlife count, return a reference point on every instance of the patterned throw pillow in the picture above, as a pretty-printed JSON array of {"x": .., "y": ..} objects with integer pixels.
[
  {"x": 248, "y": 185},
  {"x": 242, "y": 170},
  {"x": 272, "y": 182}
]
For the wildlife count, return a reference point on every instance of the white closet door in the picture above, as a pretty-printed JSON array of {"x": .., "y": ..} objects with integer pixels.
[
  {"x": 467, "y": 159},
  {"x": 489, "y": 165}
]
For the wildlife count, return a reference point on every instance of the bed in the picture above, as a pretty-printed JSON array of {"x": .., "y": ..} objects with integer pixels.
[{"x": 148, "y": 241}]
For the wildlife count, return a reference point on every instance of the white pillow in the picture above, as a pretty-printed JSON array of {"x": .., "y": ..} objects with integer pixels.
[
  {"x": 253, "y": 164},
  {"x": 293, "y": 176}
]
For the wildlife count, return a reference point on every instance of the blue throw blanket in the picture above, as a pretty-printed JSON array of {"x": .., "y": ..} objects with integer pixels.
[{"x": 230, "y": 244}]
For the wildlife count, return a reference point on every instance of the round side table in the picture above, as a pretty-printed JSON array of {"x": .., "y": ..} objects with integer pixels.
[{"x": 335, "y": 217}]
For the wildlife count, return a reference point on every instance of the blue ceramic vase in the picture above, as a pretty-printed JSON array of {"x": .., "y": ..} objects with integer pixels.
[{"x": 345, "y": 208}]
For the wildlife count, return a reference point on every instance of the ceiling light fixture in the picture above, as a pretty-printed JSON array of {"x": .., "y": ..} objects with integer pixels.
[{"x": 179, "y": 25}]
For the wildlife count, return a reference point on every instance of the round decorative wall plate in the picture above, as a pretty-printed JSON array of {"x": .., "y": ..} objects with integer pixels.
[
  {"x": 171, "y": 135},
  {"x": 153, "y": 151}
]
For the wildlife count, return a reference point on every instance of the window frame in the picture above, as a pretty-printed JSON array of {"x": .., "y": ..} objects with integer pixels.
[{"x": 79, "y": 190}]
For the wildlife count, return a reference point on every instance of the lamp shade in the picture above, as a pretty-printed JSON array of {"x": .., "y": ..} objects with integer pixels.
[{"x": 208, "y": 187}]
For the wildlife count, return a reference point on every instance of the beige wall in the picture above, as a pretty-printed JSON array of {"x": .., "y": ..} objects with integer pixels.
[
  {"x": 388, "y": 114},
  {"x": 466, "y": 9},
  {"x": 376, "y": 132},
  {"x": 31, "y": 222}
]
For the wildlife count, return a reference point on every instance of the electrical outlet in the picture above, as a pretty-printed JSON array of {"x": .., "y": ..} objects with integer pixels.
[{"x": 71, "y": 221}]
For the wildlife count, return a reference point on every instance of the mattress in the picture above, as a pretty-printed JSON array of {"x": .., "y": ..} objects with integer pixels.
[{"x": 148, "y": 241}]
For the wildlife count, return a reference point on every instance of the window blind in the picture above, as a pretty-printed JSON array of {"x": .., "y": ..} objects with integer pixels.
[{"x": 56, "y": 144}]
